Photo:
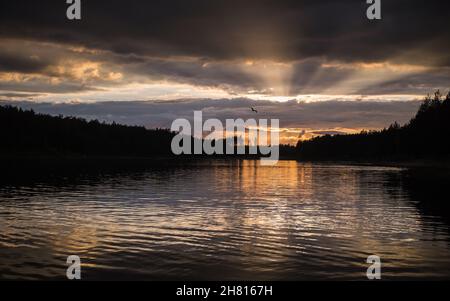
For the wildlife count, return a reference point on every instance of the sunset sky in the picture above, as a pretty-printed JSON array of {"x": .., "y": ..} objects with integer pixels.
[{"x": 318, "y": 66}]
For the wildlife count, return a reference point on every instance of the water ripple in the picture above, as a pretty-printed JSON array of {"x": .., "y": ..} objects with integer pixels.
[{"x": 222, "y": 221}]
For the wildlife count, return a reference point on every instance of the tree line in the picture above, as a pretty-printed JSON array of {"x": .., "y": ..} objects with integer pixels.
[
  {"x": 424, "y": 136},
  {"x": 24, "y": 132},
  {"x": 27, "y": 132}
]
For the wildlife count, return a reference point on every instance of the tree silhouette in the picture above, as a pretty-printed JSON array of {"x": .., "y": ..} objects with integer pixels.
[
  {"x": 25, "y": 132},
  {"x": 425, "y": 136}
]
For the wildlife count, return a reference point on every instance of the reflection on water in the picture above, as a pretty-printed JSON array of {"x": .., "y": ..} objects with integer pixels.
[{"x": 222, "y": 220}]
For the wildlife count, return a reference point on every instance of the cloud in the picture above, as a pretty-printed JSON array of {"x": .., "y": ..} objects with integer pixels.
[
  {"x": 19, "y": 95},
  {"x": 52, "y": 68},
  {"x": 298, "y": 120},
  {"x": 229, "y": 29},
  {"x": 251, "y": 48},
  {"x": 315, "y": 116}
]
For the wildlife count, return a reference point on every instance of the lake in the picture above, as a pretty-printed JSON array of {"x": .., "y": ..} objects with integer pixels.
[{"x": 225, "y": 220}]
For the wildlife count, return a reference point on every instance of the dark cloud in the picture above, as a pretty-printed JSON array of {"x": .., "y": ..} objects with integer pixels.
[
  {"x": 292, "y": 114},
  {"x": 206, "y": 43},
  {"x": 14, "y": 63},
  {"x": 321, "y": 133},
  {"x": 416, "y": 83},
  {"x": 196, "y": 72},
  {"x": 19, "y": 95},
  {"x": 39, "y": 86},
  {"x": 224, "y": 29}
]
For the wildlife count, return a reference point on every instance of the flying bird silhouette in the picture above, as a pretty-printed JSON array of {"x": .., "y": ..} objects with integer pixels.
[{"x": 254, "y": 110}]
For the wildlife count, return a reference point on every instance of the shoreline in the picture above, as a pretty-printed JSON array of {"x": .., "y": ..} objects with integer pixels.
[
  {"x": 118, "y": 161},
  {"x": 416, "y": 163}
]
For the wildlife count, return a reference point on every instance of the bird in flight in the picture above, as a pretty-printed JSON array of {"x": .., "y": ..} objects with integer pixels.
[{"x": 254, "y": 110}]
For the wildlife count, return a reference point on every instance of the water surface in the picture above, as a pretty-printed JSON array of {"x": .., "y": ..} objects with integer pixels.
[{"x": 224, "y": 220}]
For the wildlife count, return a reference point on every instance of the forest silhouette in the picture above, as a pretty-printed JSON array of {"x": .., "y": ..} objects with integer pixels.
[
  {"x": 27, "y": 133},
  {"x": 426, "y": 136}
]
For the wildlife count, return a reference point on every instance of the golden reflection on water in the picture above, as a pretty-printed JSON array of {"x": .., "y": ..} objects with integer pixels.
[{"x": 222, "y": 220}]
